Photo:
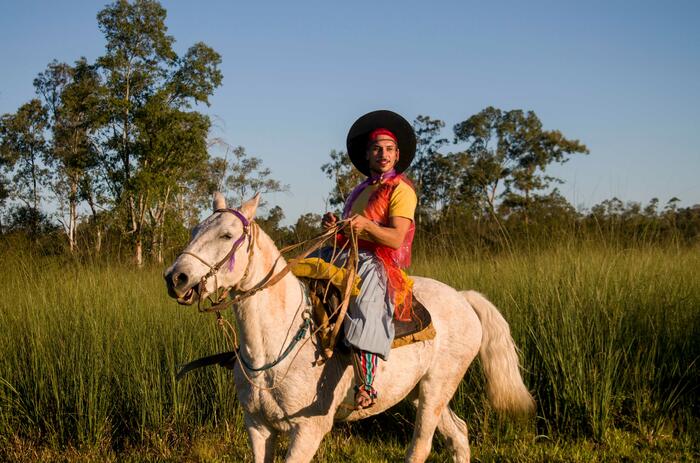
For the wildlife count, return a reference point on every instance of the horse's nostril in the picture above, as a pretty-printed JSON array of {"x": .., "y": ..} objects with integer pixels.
[{"x": 181, "y": 279}]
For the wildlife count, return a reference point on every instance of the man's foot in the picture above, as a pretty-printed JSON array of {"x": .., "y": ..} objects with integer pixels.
[{"x": 365, "y": 397}]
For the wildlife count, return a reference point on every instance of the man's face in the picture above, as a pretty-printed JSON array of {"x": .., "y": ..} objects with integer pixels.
[{"x": 382, "y": 155}]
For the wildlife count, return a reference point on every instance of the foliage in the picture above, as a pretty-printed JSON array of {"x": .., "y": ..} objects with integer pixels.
[
  {"x": 510, "y": 149},
  {"x": 153, "y": 144},
  {"x": 119, "y": 135},
  {"x": 22, "y": 147},
  {"x": 306, "y": 227},
  {"x": 344, "y": 176},
  {"x": 72, "y": 98},
  {"x": 246, "y": 176},
  {"x": 428, "y": 166},
  {"x": 130, "y": 162}
]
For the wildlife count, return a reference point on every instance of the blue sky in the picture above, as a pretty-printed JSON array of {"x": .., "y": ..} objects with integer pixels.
[{"x": 622, "y": 77}]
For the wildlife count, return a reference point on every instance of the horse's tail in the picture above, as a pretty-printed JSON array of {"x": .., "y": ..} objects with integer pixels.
[{"x": 499, "y": 357}]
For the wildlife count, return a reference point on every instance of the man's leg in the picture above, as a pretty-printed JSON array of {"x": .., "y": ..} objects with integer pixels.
[
  {"x": 365, "y": 365},
  {"x": 369, "y": 327}
]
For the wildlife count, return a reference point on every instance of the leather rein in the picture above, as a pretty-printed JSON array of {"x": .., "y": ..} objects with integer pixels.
[{"x": 220, "y": 304}]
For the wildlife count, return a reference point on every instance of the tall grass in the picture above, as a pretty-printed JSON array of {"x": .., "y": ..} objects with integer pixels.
[
  {"x": 609, "y": 336},
  {"x": 88, "y": 357},
  {"x": 610, "y": 340}
]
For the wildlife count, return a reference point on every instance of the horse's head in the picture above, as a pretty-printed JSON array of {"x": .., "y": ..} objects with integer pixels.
[{"x": 216, "y": 257}]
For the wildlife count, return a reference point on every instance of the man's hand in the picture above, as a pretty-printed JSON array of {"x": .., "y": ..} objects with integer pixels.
[
  {"x": 391, "y": 235},
  {"x": 329, "y": 220},
  {"x": 359, "y": 223}
]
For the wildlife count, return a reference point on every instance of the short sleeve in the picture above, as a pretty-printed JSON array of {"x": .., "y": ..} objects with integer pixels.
[{"x": 403, "y": 202}]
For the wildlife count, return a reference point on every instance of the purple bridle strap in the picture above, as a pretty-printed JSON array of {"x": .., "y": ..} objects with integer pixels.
[{"x": 246, "y": 223}]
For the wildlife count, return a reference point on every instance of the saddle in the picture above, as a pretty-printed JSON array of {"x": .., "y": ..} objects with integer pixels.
[{"x": 325, "y": 299}]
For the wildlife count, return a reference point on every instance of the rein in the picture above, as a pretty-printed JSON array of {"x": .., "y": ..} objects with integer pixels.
[
  {"x": 297, "y": 337},
  {"x": 219, "y": 305}
]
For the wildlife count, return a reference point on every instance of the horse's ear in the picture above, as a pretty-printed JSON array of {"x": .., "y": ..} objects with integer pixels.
[
  {"x": 249, "y": 207},
  {"x": 219, "y": 201}
]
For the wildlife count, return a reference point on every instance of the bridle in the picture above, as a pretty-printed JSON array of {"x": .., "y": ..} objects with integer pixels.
[
  {"x": 221, "y": 303},
  {"x": 230, "y": 257}
]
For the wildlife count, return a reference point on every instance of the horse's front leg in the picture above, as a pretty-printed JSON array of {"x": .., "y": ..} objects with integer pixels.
[
  {"x": 305, "y": 439},
  {"x": 262, "y": 440}
]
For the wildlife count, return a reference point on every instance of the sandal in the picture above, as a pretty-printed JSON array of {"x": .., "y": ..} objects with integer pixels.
[{"x": 365, "y": 397}]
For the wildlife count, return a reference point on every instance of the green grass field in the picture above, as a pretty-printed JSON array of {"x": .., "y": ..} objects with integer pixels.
[{"x": 610, "y": 342}]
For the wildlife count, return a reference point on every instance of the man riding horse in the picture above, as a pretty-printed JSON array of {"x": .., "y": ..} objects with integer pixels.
[
  {"x": 299, "y": 397},
  {"x": 380, "y": 210}
]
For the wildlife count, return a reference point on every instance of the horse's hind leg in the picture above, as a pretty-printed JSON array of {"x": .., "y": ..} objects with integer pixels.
[
  {"x": 432, "y": 402},
  {"x": 454, "y": 429},
  {"x": 434, "y": 393},
  {"x": 429, "y": 415}
]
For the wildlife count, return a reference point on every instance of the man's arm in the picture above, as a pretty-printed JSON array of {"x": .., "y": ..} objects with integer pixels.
[{"x": 392, "y": 235}]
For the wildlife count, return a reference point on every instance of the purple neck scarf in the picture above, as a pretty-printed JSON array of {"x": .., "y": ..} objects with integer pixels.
[{"x": 361, "y": 187}]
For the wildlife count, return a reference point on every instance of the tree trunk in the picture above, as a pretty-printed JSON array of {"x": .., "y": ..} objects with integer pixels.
[
  {"x": 159, "y": 228},
  {"x": 161, "y": 239},
  {"x": 527, "y": 208},
  {"x": 72, "y": 214},
  {"x": 98, "y": 240},
  {"x": 138, "y": 229},
  {"x": 98, "y": 228},
  {"x": 35, "y": 215},
  {"x": 138, "y": 249}
]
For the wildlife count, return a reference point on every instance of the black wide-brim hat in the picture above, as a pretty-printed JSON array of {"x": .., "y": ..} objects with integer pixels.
[{"x": 358, "y": 138}]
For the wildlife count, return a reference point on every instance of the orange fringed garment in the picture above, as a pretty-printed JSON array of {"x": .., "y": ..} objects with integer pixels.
[{"x": 394, "y": 260}]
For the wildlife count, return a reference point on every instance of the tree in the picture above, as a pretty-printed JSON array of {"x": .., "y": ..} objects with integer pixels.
[
  {"x": 245, "y": 176},
  {"x": 196, "y": 195},
  {"x": 148, "y": 84},
  {"x": 171, "y": 151},
  {"x": 344, "y": 175},
  {"x": 427, "y": 158},
  {"x": 306, "y": 227},
  {"x": 5, "y": 166},
  {"x": 444, "y": 181},
  {"x": 272, "y": 224},
  {"x": 23, "y": 147},
  {"x": 71, "y": 97},
  {"x": 510, "y": 149}
]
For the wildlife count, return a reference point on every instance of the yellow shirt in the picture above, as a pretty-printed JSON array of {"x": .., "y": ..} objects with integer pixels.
[{"x": 401, "y": 204}]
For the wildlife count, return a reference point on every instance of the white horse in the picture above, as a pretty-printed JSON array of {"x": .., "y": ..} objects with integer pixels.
[{"x": 305, "y": 400}]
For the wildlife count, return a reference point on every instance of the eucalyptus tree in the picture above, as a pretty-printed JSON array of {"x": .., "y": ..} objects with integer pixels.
[
  {"x": 343, "y": 175},
  {"x": 150, "y": 94},
  {"x": 510, "y": 150},
  {"x": 428, "y": 144},
  {"x": 23, "y": 148},
  {"x": 71, "y": 96},
  {"x": 246, "y": 175},
  {"x": 171, "y": 148}
]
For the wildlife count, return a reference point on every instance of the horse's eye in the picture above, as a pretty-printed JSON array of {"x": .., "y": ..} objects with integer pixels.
[{"x": 226, "y": 236}]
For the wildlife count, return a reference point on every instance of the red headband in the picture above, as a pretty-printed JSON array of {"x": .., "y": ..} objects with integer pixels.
[{"x": 377, "y": 132}]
